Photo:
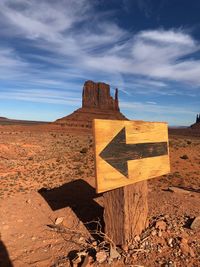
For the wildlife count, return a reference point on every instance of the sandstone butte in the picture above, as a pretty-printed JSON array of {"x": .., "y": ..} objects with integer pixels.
[{"x": 97, "y": 103}]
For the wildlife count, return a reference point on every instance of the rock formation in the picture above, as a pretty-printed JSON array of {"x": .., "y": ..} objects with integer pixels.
[
  {"x": 97, "y": 103},
  {"x": 196, "y": 125},
  {"x": 97, "y": 95},
  {"x": 198, "y": 118}
]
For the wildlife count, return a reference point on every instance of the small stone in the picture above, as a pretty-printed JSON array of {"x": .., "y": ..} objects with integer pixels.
[
  {"x": 195, "y": 224},
  {"x": 161, "y": 225},
  {"x": 59, "y": 220},
  {"x": 28, "y": 201},
  {"x": 170, "y": 241},
  {"x": 154, "y": 232},
  {"x": 101, "y": 256},
  {"x": 159, "y": 233}
]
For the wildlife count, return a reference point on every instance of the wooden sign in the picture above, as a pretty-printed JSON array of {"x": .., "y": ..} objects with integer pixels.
[{"x": 127, "y": 152}]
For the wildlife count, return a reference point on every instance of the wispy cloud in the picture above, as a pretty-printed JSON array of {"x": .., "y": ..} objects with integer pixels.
[
  {"x": 43, "y": 96},
  {"x": 152, "y": 107}
]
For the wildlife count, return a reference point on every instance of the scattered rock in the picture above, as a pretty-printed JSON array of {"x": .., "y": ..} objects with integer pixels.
[
  {"x": 170, "y": 242},
  {"x": 59, "y": 220},
  {"x": 154, "y": 232},
  {"x": 159, "y": 233},
  {"x": 161, "y": 225},
  {"x": 101, "y": 256},
  {"x": 195, "y": 224}
]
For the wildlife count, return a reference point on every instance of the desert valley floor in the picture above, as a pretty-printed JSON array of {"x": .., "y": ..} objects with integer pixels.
[{"x": 47, "y": 179}]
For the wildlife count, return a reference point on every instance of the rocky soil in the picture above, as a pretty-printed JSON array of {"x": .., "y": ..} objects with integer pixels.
[{"x": 51, "y": 216}]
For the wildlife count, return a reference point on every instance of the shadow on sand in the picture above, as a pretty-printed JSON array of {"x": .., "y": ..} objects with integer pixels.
[
  {"x": 4, "y": 256},
  {"x": 79, "y": 196}
]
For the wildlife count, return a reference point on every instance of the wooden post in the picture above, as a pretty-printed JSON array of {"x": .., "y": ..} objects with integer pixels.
[
  {"x": 125, "y": 212},
  {"x": 127, "y": 153}
]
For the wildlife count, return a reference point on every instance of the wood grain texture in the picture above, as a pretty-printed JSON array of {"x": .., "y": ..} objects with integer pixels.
[
  {"x": 125, "y": 212},
  {"x": 138, "y": 133}
]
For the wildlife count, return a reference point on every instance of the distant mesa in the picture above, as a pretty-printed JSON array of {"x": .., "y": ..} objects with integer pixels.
[
  {"x": 196, "y": 125},
  {"x": 97, "y": 103},
  {"x": 3, "y": 119},
  {"x": 6, "y": 121}
]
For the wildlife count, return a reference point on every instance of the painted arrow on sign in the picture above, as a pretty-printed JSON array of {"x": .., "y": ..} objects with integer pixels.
[{"x": 117, "y": 153}]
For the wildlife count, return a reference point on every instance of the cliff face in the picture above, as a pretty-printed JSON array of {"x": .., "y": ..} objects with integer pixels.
[
  {"x": 97, "y": 95},
  {"x": 97, "y": 103}
]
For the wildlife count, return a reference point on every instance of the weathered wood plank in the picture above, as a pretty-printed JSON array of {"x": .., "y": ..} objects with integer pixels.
[{"x": 129, "y": 151}]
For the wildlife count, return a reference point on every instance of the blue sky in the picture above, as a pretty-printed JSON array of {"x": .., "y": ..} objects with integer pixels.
[{"x": 149, "y": 49}]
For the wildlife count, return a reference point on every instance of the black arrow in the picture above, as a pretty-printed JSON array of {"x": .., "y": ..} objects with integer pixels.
[{"x": 117, "y": 152}]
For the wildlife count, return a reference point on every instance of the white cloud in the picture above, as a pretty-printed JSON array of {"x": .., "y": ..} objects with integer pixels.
[
  {"x": 69, "y": 40},
  {"x": 170, "y": 36}
]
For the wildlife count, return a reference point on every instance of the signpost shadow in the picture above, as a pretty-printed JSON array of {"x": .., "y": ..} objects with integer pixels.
[{"x": 79, "y": 196}]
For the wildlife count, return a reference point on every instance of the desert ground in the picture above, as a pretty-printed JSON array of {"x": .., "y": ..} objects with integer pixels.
[{"x": 48, "y": 201}]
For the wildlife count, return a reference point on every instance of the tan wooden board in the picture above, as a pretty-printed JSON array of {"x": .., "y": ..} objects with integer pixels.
[{"x": 146, "y": 148}]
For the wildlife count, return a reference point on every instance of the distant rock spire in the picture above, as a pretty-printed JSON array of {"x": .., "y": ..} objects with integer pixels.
[
  {"x": 198, "y": 118},
  {"x": 116, "y": 100}
]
